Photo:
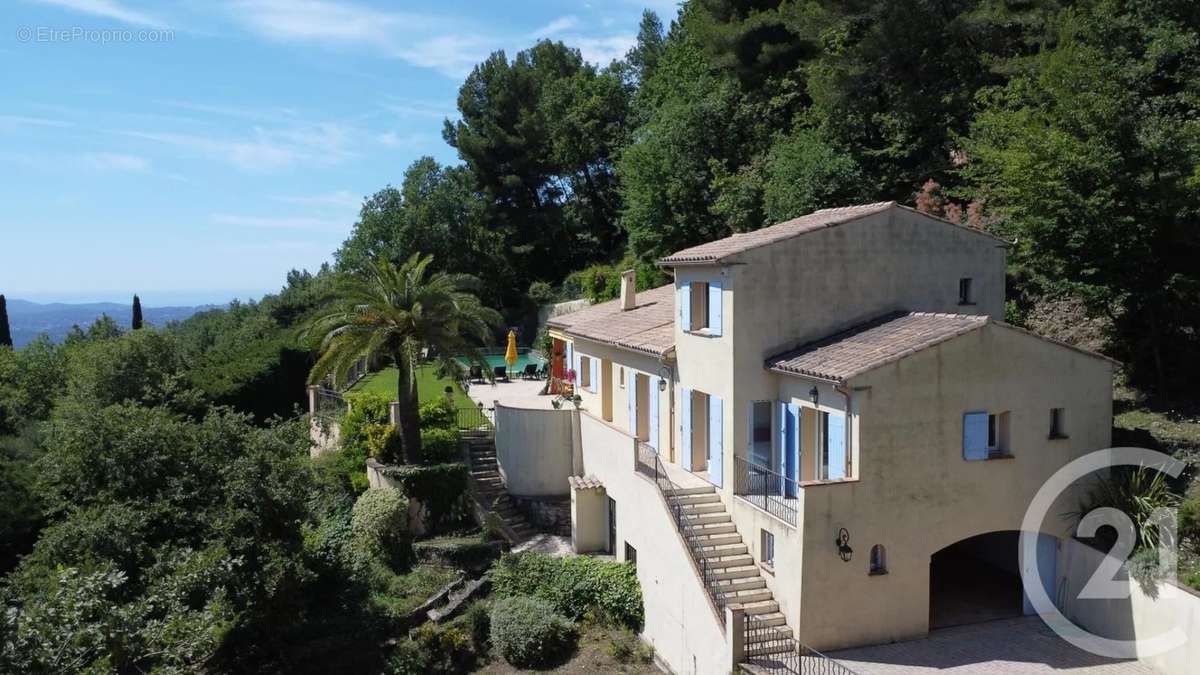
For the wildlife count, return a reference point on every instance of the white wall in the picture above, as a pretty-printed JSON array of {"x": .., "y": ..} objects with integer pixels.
[
  {"x": 681, "y": 623},
  {"x": 533, "y": 450}
]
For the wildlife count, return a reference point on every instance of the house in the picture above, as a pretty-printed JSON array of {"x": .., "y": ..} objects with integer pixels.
[{"x": 824, "y": 434}]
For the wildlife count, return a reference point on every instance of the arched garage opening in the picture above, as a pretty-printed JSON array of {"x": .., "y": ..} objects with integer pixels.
[{"x": 979, "y": 579}]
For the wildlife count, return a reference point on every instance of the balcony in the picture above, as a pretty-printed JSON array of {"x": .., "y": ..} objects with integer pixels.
[{"x": 766, "y": 489}]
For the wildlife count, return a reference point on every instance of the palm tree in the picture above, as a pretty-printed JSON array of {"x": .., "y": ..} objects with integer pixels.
[{"x": 397, "y": 311}]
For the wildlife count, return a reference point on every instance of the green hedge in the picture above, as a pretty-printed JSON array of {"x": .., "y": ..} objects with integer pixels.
[
  {"x": 473, "y": 554},
  {"x": 440, "y": 488},
  {"x": 575, "y": 586},
  {"x": 527, "y": 631}
]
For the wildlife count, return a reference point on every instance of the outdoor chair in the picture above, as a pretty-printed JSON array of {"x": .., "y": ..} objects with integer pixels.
[
  {"x": 476, "y": 374},
  {"x": 530, "y": 372},
  {"x": 501, "y": 373}
]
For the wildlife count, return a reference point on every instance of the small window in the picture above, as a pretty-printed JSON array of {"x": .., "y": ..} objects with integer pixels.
[
  {"x": 621, "y": 377},
  {"x": 965, "y": 294},
  {"x": 585, "y": 372},
  {"x": 993, "y": 436},
  {"x": 878, "y": 560},
  {"x": 699, "y": 308},
  {"x": 985, "y": 436},
  {"x": 1058, "y": 426},
  {"x": 630, "y": 554},
  {"x": 611, "y": 548},
  {"x": 767, "y": 546}
]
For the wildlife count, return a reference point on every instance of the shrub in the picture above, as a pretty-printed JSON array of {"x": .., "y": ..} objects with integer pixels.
[
  {"x": 1189, "y": 517},
  {"x": 439, "y": 488},
  {"x": 626, "y": 647},
  {"x": 383, "y": 442},
  {"x": 433, "y": 650},
  {"x": 478, "y": 619},
  {"x": 575, "y": 586},
  {"x": 467, "y": 555},
  {"x": 438, "y": 414},
  {"x": 527, "y": 632},
  {"x": 441, "y": 445},
  {"x": 379, "y": 523}
]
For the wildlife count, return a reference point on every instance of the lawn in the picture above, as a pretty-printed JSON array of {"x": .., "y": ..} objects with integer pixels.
[
  {"x": 429, "y": 386},
  {"x": 404, "y": 592}
]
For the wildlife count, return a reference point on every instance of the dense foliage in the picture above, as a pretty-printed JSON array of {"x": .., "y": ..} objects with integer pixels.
[
  {"x": 528, "y": 632},
  {"x": 575, "y": 586}
]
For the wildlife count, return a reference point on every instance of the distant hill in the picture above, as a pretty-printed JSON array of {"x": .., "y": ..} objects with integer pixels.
[{"x": 30, "y": 319}]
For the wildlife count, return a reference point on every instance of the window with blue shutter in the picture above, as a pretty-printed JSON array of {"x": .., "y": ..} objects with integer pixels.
[
  {"x": 685, "y": 427},
  {"x": 975, "y": 436},
  {"x": 685, "y": 307},
  {"x": 653, "y": 415},
  {"x": 594, "y": 382},
  {"x": 714, "y": 307},
  {"x": 836, "y": 436},
  {"x": 792, "y": 464},
  {"x": 633, "y": 403},
  {"x": 716, "y": 422}
]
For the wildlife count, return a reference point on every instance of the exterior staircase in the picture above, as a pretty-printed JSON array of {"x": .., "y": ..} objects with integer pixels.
[
  {"x": 731, "y": 574},
  {"x": 488, "y": 488}
]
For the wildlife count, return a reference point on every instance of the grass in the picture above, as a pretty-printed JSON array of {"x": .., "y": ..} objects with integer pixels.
[
  {"x": 405, "y": 592},
  {"x": 601, "y": 649},
  {"x": 429, "y": 385}
]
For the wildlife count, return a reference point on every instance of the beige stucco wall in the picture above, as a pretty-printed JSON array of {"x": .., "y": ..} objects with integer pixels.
[
  {"x": 917, "y": 495},
  {"x": 589, "y": 519},
  {"x": 633, "y": 363},
  {"x": 1139, "y": 616},
  {"x": 680, "y": 621},
  {"x": 533, "y": 450}
]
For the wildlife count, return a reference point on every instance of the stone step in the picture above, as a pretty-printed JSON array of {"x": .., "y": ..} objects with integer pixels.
[
  {"x": 737, "y": 585},
  {"x": 746, "y": 597},
  {"x": 720, "y": 540},
  {"x": 761, "y": 607},
  {"x": 771, "y": 620},
  {"x": 728, "y": 562},
  {"x": 762, "y": 634},
  {"x": 706, "y": 498},
  {"x": 708, "y": 518},
  {"x": 706, "y": 489},
  {"x": 735, "y": 573},
  {"x": 725, "y": 550},
  {"x": 695, "y": 509},
  {"x": 766, "y": 648},
  {"x": 720, "y": 528}
]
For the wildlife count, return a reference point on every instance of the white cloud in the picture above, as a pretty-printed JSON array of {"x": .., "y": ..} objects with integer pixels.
[
  {"x": 281, "y": 222},
  {"x": 603, "y": 51},
  {"x": 336, "y": 199},
  {"x": 114, "y": 161},
  {"x": 109, "y": 9},
  {"x": 269, "y": 149},
  {"x": 558, "y": 25}
]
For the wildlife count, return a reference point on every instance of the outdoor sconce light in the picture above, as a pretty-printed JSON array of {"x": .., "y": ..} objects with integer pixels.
[
  {"x": 663, "y": 373},
  {"x": 843, "y": 545},
  {"x": 813, "y": 395},
  {"x": 662, "y": 384}
]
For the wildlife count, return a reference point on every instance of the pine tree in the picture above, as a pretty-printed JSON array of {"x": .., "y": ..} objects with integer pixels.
[
  {"x": 5, "y": 334},
  {"x": 137, "y": 313}
]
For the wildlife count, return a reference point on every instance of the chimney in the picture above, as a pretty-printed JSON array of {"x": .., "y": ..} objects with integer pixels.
[{"x": 628, "y": 290}]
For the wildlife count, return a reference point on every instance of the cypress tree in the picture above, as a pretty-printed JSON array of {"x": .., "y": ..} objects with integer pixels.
[
  {"x": 137, "y": 313},
  {"x": 5, "y": 334}
]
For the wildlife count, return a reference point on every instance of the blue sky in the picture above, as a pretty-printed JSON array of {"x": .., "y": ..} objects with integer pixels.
[{"x": 195, "y": 150}]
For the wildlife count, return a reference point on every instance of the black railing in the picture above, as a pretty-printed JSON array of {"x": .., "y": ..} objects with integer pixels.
[
  {"x": 773, "y": 649},
  {"x": 772, "y": 492},
  {"x": 475, "y": 418},
  {"x": 329, "y": 405},
  {"x": 650, "y": 464}
]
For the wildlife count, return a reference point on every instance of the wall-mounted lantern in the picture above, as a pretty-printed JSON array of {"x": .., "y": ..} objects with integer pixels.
[
  {"x": 663, "y": 373},
  {"x": 843, "y": 545},
  {"x": 814, "y": 395}
]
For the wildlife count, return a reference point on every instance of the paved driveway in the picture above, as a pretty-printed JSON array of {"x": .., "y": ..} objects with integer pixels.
[{"x": 1023, "y": 646}]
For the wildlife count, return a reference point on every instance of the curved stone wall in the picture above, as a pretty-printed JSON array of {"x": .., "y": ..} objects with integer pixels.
[{"x": 534, "y": 450}]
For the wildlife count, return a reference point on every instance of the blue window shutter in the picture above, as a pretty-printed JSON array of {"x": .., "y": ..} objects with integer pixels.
[
  {"x": 595, "y": 381},
  {"x": 716, "y": 439},
  {"x": 631, "y": 387},
  {"x": 577, "y": 366},
  {"x": 837, "y": 446},
  {"x": 714, "y": 307},
  {"x": 685, "y": 428},
  {"x": 653, "y": 415},
  {"x": 793, "y": 448},
  {"x": 685, "y": 306},
  {"x": 782, "y": 452},
  {"x": 975, "y": 433}
]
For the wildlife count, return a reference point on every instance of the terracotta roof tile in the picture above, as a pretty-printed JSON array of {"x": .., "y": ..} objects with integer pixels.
[
  {"x": 584, "y": 483},
  {"x": 649, "y": 327},
  {"x": 873, "y": 344},
  {"x": 715, "y": 251}
]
